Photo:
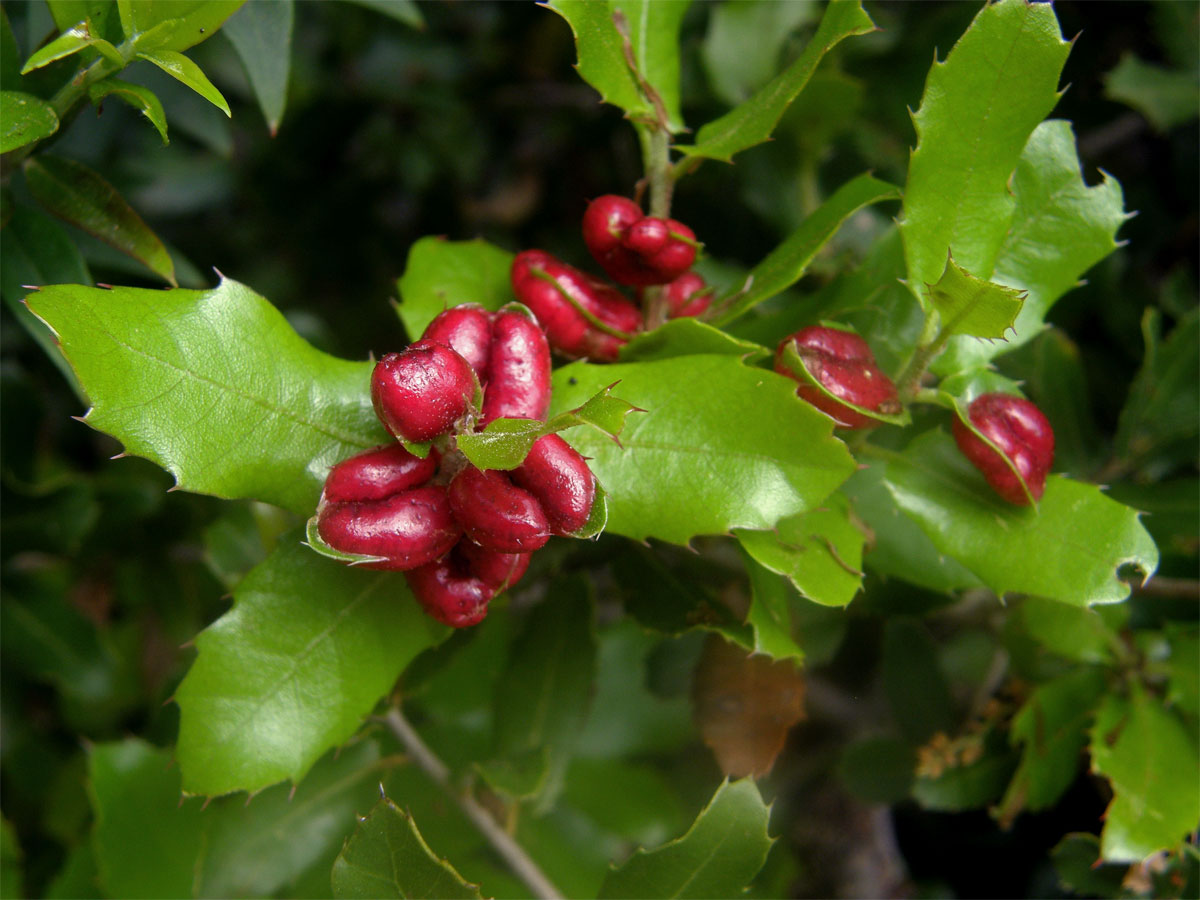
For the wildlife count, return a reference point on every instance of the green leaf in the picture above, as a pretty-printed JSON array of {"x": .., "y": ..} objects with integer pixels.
[
  {"x": 140, "y": 98},
  {"x": 543, "y": 693},
  {"x": 696, "y": 462},
  {"x": 1080, "y": 634},
  {"x": 262, "y": 35},
  {"x": 753, "y": 121},
  {"x": 25, "y": 118},
  {"x": 717, "y": 857},
  {"x": 744, "y": 40},
  {"x": 1183, "y": 689},
  {"x": 972, "y": 306},
  {"x": 440, "y": 274},
  {"x": 819, "y": 551},
  {"x": 654, "y": 39},
  {"x": 1079, "y": 867},
  {"x": 173, "y": 25},
  {"x": 976, "y": 115},
  {"x": 290, "y": 671},
  {"x": 405, "y": 11},
  {"x": 70, "y": 12},
  {"x": 69, "y": 42},
  {"x": 227, "y": 848},
  {"x": 1150, "y": 757},
  {"x": 1068, "y": 548},
  {"x": 77, "y": 195},
  {"x": 878, "y": 770},
  {"x": 215, "y": 387},
  {"x": 10, "y": 54},
  {"x": 387, "y": 857},
  {"x": 1052, "y": 726},
  {"x": 1165, "y": 97},
  {"x": 632, "y": 800},
  {"x": 785, "y": 265},
  {"x": 1060, "y": 228},
  {"x": 505, "y": 443},
  {"x": 688, "y": 337},
  {"x": 917, "y": 691},
  {"x": 186, "y": 72},
  {"x": 770, "y": 615}
]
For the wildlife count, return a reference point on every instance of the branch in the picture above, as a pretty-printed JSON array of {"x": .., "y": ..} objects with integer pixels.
[{"x": 510, "y": 851}]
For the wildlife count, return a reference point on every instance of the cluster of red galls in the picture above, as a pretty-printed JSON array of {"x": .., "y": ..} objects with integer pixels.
[
  {"x": 585, "y": 316},
  {"x": 844, "y": 365},
  {"x": 460, "y": 534}
]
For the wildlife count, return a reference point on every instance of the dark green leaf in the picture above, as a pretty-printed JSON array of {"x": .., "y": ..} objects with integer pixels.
[
  {"x": 632, "y": 800},
  {"x": 1052, "y": 726},
  {"x": 770, "y": 615},
  {"x": 977, "y": 113},
  {"x": 440, "y": 274},
  {"x": 972, "y": 306},
  {"x": 1150, "y": 757},
  {"x": 820, "y": 551},
  {"x": 262, "y": 35},
  {"x": 784, "y": 266},
  {"x": 1183, "y": 688},
  {"x": 654, "y": 39},
  {"x": 753, "y": 121},
  {"x": 387, "y": 857},
  {"x": 76, "y": 194},
  {"x": 1068, "y": 548},
  {"x": 1080, "y": 869},
  {"x": 742, "y": 47},
  {"x": 719, "y": 855},
  {"x": 173, "y": 25},
  {"x": 186, "y": 72},
  {"x": 1060, "y": 228},
  {"x": 1081, "y": 634},
  {"x": 695, "y": 462},
  {"x": 77, "y": 879},
  {"x": 10, "y": 55},
  {"x": 1165, "y": 97},
  {"x": 140, "y": 98},
  {"x": 878, "y": 770},
  {"x": 26, "y": 119},
  {"x": 10, "y": 861},
  {"x": 405, "y": 11},
  {"x": 290, "y": 671},
  {"x": 916, "y": 688},
  {"x": 688, "y": 337},
  {"x": 247, "y": 410}
]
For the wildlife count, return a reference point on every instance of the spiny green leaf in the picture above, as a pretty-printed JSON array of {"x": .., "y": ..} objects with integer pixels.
[
  {"x": 977, "y": 112},
  {"x": 819, "y": 551},
  {"x": 1069, "y": 548},
  {"x": 439, "y": 274},
  {"x": 1150, "y": 757},
  {"x": 721, "y": 852},
  {"x": 753, "y": 121},
  {"x": 25, "y": 119},
  {"x": 291, "y": 670},
  {"x": 1166, "y": 98},
  {"x": 387, "y": 857},
  {"x": 1060, "y": 228},
  {"x": 215, "y": 387},
  {"x": 785, "y": 265},
  {"x": 653, "y": 35},
  {"x": 972, "y": 306},
  {"x": 140, "y": 98},
  {"x": 77, "y": 195},
  {"x": 261, "y": 33},
  {"x": 505, "y": 443},
  {"x": 721, "y": 467},
  {"x": 186, "y": 72}
]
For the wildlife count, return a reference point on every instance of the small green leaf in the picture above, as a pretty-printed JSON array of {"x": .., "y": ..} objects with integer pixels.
[
  {"x": 248, "y": 410},
  {"x": 688, "y": 336},
  {"x": 720, "y": 468},
  {"x": 1165, "y": 97},
  {"x": 917, "y": 691},
  {"x": 505, "y": 443},
  {"x": 654, "y": 38},
  {"x": 387, "y": 857},
  {"x": 753, "y": 121},
  {"x": 70, "y": 41},
  {"x": 261, "y": 34},
  {"x": 404, "y": 11},
  {"x": 972, "y": 306},
  {"x": 770, "y": 615},
  {"x": 187, "y": 72},
  {"x": 976, "y": 115},
  {"x": 140, "y": 98},
  {"x": 440, "y": 274},
  {"x": 1052, "y": 727},
  {"x": 719, "y": 855},
  {"x": 1150, "y": 757},
  {"x": 784, "y": 266},
  {"x": 77, "y": 195},
  {"x": 820, "y": 551},
  {"x": 25, "y": 119},
  {"x": 1080, "y": 869},
  {"x": 71, "y": 12},
  {"x": 290, "y": 671},
  {"x": 173, "y": 25},
  {"x": 1069, "y": 548}
]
